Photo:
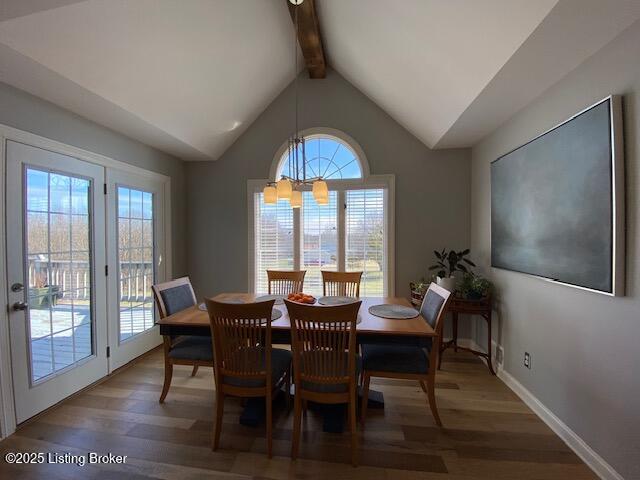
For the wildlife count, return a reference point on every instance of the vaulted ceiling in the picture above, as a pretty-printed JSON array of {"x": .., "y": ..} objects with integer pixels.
[{"x": 188, "y": 77}]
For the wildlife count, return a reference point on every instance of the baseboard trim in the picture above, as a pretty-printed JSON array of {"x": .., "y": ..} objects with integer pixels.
[{"x": 594, "y": 461}]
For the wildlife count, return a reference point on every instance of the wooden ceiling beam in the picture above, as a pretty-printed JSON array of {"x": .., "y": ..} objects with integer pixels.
[{"x": 309, "y": 37}]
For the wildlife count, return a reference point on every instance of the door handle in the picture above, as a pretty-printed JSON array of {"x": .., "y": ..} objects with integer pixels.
[{"x": 20, "y": 306}]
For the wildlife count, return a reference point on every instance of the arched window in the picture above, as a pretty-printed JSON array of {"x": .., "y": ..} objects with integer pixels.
[
  {"x": 330, "y": 154},
  {"x": 353, "y": 231}
]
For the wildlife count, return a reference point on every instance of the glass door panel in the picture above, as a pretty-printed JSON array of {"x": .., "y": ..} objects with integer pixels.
[
  {"x": 136, "y": 267},
  {"x": 136, "y": 234},
  {"x": 59, "y": 271}
]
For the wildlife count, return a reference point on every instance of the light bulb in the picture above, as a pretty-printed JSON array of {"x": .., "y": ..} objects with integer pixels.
[
  {"x": 296, "y": 199},
  {"x": 283, "y": 187},
  {"x": 270, "y": 195}
]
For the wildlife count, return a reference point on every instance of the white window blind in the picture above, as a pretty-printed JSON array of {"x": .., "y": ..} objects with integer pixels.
[
  {"x": 273, "y": 239},
  {"x": 365, "y": 238},
  {"x": 319, "y": 240}
]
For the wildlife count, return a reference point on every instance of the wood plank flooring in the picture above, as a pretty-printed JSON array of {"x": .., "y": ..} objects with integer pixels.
[{"x": 489, "y": 433}]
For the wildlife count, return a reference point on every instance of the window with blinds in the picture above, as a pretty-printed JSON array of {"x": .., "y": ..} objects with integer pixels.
[
  {"x": 273, "y": 239},
  {"x": 365, "y": 238},
  {"x": 348, "y": 234},
  {"x": 319, "y": 240}
]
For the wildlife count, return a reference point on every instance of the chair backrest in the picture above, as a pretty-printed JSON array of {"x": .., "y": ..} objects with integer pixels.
[
  {"x": 341, "y": 284},
  {"x": 173, "y": 296},
  {"x": 323, "y": 342},
  {"x": 285, "y": 282},
  {"x": 432, "y": 310},
  {"x": 241, "y": 335}
]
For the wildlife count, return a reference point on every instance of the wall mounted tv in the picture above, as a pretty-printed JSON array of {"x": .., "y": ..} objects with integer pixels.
[{"x": 557, "y": 203}]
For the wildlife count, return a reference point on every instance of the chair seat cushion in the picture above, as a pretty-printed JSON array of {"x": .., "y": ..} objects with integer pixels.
[
  {"x": 333, "y": 387},
  {"x": 280, "y": 363},
  {"x": 192, "y": 348},
  {"x": 394, "y": 358}
]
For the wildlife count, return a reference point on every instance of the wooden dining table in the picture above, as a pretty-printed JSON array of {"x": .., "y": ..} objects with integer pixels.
[
  {"x": 370, "y": 328},
  {"x": 194, "y": 321}
]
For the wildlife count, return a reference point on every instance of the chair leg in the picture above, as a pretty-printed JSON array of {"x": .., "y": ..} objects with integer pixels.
[
  {"x": 269, "y": 420},
  {"x": 297, "y": 420},
  {"x": 424, "y": 387},
  {"x": 431, "y": 394},
  {"x": 194, "y": 371},
  {"x": 352, "y": 427},
  {"x": 366, "y": 379},
  {"x": 219, "y": 415},
  {"x": 168, "y": 373},
  {"x": 287, "y": 393}
]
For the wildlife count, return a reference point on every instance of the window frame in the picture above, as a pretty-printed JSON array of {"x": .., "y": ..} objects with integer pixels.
[{"x": 385, "y": 182}]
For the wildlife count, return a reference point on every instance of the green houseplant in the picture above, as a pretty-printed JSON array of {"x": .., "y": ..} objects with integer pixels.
[
  {"x": 449, "y": 262},
  {"x": 474, "y": 287}
]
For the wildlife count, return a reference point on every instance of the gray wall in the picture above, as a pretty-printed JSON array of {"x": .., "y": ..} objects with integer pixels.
[
  {"x": 21, "y": 110},
  {"x": 584, "y": 346},
  {"x": 432, "y": 187}
]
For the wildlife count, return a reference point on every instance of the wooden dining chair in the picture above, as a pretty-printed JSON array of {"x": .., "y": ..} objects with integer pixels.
[
  {"x": 246, "y": 365},
  {"x": 415, "y": 362},
  {"x": 172, "y": 297},
  {"x": 325, "y": 364},
  {"x": 284, "y": 282},
  {"x": 341, "y": 284}
]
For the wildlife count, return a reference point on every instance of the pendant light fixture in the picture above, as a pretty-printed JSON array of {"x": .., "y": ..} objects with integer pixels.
[{"x": 289, "y": 187}]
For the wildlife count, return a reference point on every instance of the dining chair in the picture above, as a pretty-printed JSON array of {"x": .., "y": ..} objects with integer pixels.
[
  {"x": 246, "y": 365},
  {"x": 325, "y": 364},
  {"x": 284, "y": 282},
  {"x": 341, "y": 284},
  {"x": 414, "y": 362},
  {"x": 172, "y": 297}
]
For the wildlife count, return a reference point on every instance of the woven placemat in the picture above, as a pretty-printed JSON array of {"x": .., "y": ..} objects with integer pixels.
[
  {"x": 279, "y": 299},
  {"x": 275, "y": 314},
  {"x": 333, "y": 300},
  {"x": 387, "y": 310}
]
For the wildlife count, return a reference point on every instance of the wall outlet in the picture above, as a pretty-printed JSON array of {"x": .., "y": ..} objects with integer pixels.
[
  {"x": 527, "y": 360},
  {"x": 499, "y": 355}
]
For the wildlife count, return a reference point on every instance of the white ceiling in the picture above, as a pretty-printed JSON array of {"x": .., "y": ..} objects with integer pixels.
[
  {"x": 188, "y": 77},
  {"x": 199, "y": 70},
  {"x": 425, "y": 61}
]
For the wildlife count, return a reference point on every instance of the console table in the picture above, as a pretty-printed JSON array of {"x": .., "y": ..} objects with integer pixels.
[{"x": 480, "y": 307}]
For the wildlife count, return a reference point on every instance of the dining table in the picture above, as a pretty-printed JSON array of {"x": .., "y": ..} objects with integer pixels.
[{"x": 369, "y": 329}]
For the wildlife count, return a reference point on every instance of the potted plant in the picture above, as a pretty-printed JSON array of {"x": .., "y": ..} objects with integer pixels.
[
  {"x": 475, "y": 287},
  {"x": 39, "y": 292},
  {"x": 449, "y": 262},
  {"x": 418, "y": 289}
]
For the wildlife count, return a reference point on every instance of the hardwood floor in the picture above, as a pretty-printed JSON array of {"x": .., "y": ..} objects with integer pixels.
[{"x": 488, "y": 433}]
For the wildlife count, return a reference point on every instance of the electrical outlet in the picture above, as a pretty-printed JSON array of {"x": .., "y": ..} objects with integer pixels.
[
  {"x": 527, "y": 360},
  {"x": 499, "y": 355}
]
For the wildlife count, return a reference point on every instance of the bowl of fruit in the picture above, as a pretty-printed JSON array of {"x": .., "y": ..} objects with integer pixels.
[{"x": 301, "y": 298}]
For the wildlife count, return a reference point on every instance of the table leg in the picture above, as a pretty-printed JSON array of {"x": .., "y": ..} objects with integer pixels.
[
  {"x": 454, "y": 318},
  {"x": 488, "y": 318}
]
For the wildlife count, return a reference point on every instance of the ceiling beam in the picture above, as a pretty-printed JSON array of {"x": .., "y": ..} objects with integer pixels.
[{"x": 309, "y": 37}]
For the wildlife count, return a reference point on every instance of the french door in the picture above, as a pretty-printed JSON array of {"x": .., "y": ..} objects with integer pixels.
[
  {"x": 57, "y": 290},
  {"x": 85, "y": 243},
  {"x": 136, "y": 229}
]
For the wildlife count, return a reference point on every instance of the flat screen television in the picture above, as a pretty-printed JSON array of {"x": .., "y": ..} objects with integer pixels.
[{"x": 557, "y": 203}]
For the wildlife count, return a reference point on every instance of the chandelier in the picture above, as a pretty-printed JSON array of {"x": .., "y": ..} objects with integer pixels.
[{"x": 289, "y": 186}]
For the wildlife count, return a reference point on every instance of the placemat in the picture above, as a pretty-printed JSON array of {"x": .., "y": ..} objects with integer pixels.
[
  {"x": 388, "y": 310},
  {"x": 279, "y": 299},
  {"x": 335, "y": 300}
]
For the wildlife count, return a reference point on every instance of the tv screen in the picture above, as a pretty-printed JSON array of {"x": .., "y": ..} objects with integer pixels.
[{"x": 557, "y": 203}]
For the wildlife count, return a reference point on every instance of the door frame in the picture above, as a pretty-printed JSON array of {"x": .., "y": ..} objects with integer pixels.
[{"x": 7, "y": 397}]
